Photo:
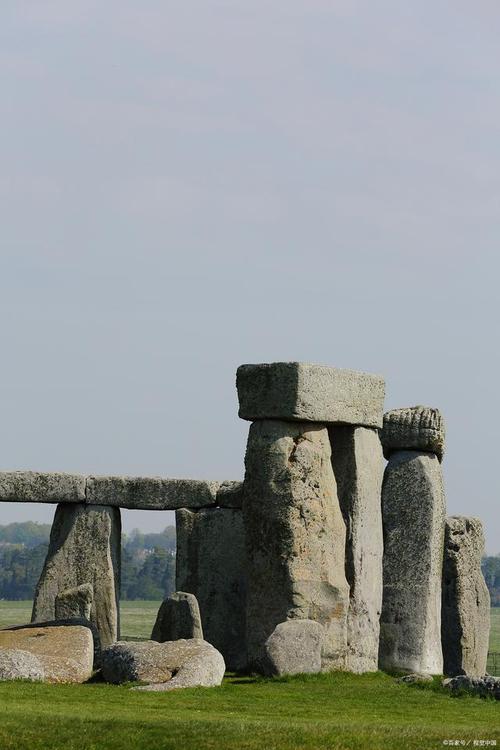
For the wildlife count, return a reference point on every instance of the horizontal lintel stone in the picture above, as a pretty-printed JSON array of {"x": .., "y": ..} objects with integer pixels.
[
  {"x": 151, "y": 493},
  {"x": 296, "y": 391},
  {"x": 41, "y": 487}
]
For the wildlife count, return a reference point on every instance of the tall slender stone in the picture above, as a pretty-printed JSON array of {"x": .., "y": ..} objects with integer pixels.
[
  {"x": 84, "y": 548},
  {"x": 357, "y": 464},
  {"x": 465, "y": 626},
  {"x": 210, "y": 564},
  {"x": 295, "y": 536},
  {"x": 413, "y": 511}
]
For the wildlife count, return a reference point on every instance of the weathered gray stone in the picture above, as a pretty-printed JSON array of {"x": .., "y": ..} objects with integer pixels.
[
  {"x": 65, "y": 653},
  {"x": 75, "y": 602},
  {"x": 210, "y": 564},
  {"x": 178, "y": 618},
  {"x": 16, "y": 664},
  {"x": 294, "y": 647},
  {"x": 295, "y": 537},
  {"x": 413, "y": 512},
  {"x": 486, "y": 687},
  {"x": 230, "y": 495},
  {"x": 411, "y": 679},
  {"x": 150, "y": 493},
  {"x": 465, "y": 625},
  {"x": 194, "y": 662},
  {"x": 357, "y": 465},
  {"x": 41, "y": 487},
  {"x": 417, "y": 428},
  {"x": 296, "y": 391},
  {"x": 84, "y": 548}
]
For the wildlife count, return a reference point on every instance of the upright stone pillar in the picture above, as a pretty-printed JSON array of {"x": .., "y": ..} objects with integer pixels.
[
  {"x": 294, "y": 529},
  {"x": 85, "y": 547},
  {"x": 413, "y": 511},
  {"x": 465, "y": 626},
  {"x": 357, "y": 465}
]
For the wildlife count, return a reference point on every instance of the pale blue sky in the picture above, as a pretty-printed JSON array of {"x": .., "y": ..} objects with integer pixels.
[{"x": 186, "y": 186}]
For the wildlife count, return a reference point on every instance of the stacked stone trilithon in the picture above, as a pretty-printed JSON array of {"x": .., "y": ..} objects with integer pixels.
[
  {"x": 413, "y": 511},
  {"x": 311, "y": 509}
]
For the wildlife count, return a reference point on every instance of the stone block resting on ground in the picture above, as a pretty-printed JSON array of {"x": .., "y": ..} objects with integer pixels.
[{"x": 178, "y": 617}]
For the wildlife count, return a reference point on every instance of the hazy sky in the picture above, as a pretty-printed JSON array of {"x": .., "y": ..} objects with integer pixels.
[{"x": 186, "y": 186}]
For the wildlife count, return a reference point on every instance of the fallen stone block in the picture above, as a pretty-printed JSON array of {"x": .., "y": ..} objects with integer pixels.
[
  {"x": 178, "y": 618},
  {"x": 16, "y": 664},
  {"x": 75, "y": 602},
  {"x": 418, "y": 428},
  {"x": 486, "y": 687},
  {"x": 413, "y": 511},
  {"x": 85, "y": 547},
  {"x": 150, "y": 493},
  {"x": 66, "y": 653},
  {"x": 411, "y": 679},
  {"x": 71, "y": 622},
  {"x": 294, "y": 647},
  {"x": 295, "y": 537},
  {"x": 357, "y": 465},
  {"x": 465, "y": 618},
  {"x": 41, "y": 487},
  {"x": 300, "y": 392},
  {"x": 210, "y": 564}
]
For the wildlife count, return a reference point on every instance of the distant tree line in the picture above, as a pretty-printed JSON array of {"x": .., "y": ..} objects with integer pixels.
[{"x": 148, "y": 561}]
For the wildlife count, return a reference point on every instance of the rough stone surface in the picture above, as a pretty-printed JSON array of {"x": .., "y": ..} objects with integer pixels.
[
  {"x": 75, "y": 602},
  {"x": 484, "y": 686},
  {"x": 296, "y": 391},
  {"x": 66, "y": 653},
  {"x": 295, "y": 537},
  {"x": 16, "y": 664},
  {"x": 294, "y": 647},
  {"x": 193, "y": 663},
  {"x": 411, "y": 679},
  {"x": 150, "y": 493},
  {"x": 417, "y": 428},
  {"x": 357, "y": 465},
  {"x": 41, "y": 487},
  {"x": 230, "y": 494},
  {"x": 210, "y": 564},
  {"x": 178, "y": 618},
  {"x": 85, "y": 545},
  {"x": 71, "y": 622},
  {"x": 465, "y": 625},
  {"x": 413, "y": 511}
]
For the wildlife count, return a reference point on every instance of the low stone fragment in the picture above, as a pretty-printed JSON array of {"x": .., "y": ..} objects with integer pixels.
[
  {"x": 194, "y": 663},
  {"x": 417, "y": 428},
  {"x": 210, "y": 564},
  {"x": 411, "y": 679},
  {"x": 66, "y": 653},
  {"x": 41, "y": 487},
  {"x": 413, "y": 511},
  {"x": 483, "y": 686},
  {"x": 85, "y": 547},
  {"x": 465, "y": 623},
  {"x": 75, "y": 602},
  {"x": 294, "y": 647},
  {"x": 300, "y": 392},
  {"x": 178, "y": 617},
  {"x": 150, "y": 493},
  {"x": 16, "y": 664}
]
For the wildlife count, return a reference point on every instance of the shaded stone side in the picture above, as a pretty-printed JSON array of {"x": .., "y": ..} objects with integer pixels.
[
  {"x": 85, "y": 547},
  {"x": 358, "y": 467},
  {"x": 295, "y": 536},
  {"x": 413, "y": 512},
  {"x": 178, "y": 617},
  {"x": 210, "y": 564},
  {"x": 465, "y": 626}
]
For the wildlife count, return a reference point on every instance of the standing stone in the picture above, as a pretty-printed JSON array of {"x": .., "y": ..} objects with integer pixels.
[
  {"x": 413, "y": 511},
  {"x": 465, "y": 626},
  {"x": 357, "y": 465},
  {"x": 295, "y": 537},
  {"x": 294, "y": 647},
  {"x": 76, "y": 602},
  {"x": 178, "y": 617},
  {"x": 84, "y": 548},
  {"x": 210, "y": 564}
]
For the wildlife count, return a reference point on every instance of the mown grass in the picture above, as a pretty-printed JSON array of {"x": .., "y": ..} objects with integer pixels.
[{"x": 315, "y": 712}]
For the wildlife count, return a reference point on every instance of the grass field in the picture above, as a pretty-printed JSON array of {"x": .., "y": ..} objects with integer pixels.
[{"x": 317, "y": 712}]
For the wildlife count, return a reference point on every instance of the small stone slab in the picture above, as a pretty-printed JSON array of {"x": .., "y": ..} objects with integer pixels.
[
  {"x": 41, "y": 487},
  {"x": 150, "y": 493},
  {"x": 418, "y": 428},
  {"x": 296, "y": 391},
  {"x": 178, "y": 617},
  {"x": 294, "y": 647}
]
